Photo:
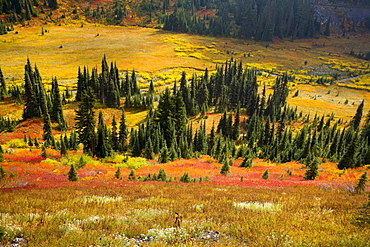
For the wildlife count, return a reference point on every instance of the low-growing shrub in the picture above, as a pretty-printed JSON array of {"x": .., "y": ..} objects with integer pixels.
[{"x": 17, "y": 143}]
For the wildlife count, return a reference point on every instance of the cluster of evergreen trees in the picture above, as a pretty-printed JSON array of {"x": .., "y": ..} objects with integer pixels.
[
  {"x": 361, "y": 54},
  {"x": 108, "y": 88},
  {"x": 113, "y": 13},
  {"x": 3, "y": 28},
  {"x": 39, "y": 103},
  {"x": 23, "y": 10},
  {"x": 245, "y": 18},
  {"x": 102, "y": 142},
  {"x": 265, "y": 131},
  {"x": 7, "y": 124}
]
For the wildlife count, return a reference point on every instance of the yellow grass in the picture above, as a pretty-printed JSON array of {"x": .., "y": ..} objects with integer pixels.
[{"x": 103, "y": 216}]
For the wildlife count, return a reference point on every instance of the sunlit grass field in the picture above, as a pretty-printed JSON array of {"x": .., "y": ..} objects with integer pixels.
[{"x": 243, "y": 216}]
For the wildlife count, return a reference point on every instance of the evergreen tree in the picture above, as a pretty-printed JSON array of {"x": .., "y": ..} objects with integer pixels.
[
  {"x": 3, "y": 173},
  {"x": 48, "y": 134},
  {"x": 36, "y": 142},
  {"x": 114, "y": 135},
  {"x": 162, "y": 176},
  {"x": 103, "y": 147},
  {"x": 123, "y": 132},
  {"x": 356, "y": 120},
  {"x": 163, "y": 156},
  {"x": 117, "y": 174},
  {"x": 148, "y": 154},
  {"x": 1, "y": 155},
  {"x": 43, "y": 151},
  {"x": 72, "y": 174},
  {"x": 63, "y": 148},
  {"x": 247, "y": 162},
  {"x": 266, "y": 174},
  {"x": 132, "y": 175},
  {"x": 312, "y": 169},
  {"x": 361, "y": 185},
  {"x": 56, "y": 113},
  {"x": 236, "y": 125},
  {"x": 31, "y": 109},
  {"x": 348, "y": 159},
  {"x": 2, "y": 86},
  {"x": 185, "y": 178},
  {"x": 225, "y": 169},
  {"x": 30, "y": 143},
  {"x": 85, "y": 122}
]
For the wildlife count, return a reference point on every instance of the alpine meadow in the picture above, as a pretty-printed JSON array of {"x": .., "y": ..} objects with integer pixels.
[{"x": 185, "y": 123}]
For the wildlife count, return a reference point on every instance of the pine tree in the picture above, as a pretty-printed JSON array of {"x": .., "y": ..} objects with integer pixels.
[
  {"x": 123, "y": 132},
  {"x": 148, "y": 154},
  {"x": 225, "y": 169},
  {"x": 348, "y": 159},
  {"x": 31, "y": 109},
  {"x": 165, "y": 114},
  {"x": 63, "y": 148},
  {"x": 56, "y": 113},
  {"x": 179, "y": 114},
  {"x": 36, "y": 142},
  {"x": 266, "y": 174},
  {"x": 132, "y": 175},
  {"x": 2, "y": 85},
  {"x": 103, "y": 147},
  {"x": 162, "y": 176},
  {"x": 356, "y": 120},
  {"x": 3, "y": 173},
  {"x": 312, "y": 170},
  {"x": 185, "y": 178},
  {"x": 114, "y": 135},
  {"x": 361, "y": 185},
  {"x": 117, "y": 174},
  {"x": 30, "y": 143},
  {"x": 48, "y": 134},
  {"x": 236, "y": 125},
  {"x": 85, "y": 122},
  {"x": 163, "y": 156},
  {"x": 43, "y": 151},
  {"x": 72, "y": 174},
  {"x": 247, "y": 162},
  {"x": 1, "y": 157}
]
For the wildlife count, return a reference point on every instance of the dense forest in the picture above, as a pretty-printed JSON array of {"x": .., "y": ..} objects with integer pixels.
[
  {"x": 253, "y": 124},
  {"x": 261, "y": 20}
]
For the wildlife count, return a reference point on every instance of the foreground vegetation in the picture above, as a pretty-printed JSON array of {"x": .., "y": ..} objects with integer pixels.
[
  {"x": 235, "y": 158},
  {"x": 243, "y": 216}
]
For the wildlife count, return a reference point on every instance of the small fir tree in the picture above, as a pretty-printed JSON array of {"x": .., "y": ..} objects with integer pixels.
[
  {"x": 361, "y": 185},
  {"x": 72, "y": 174},
  {"x": 118, "y": 173},
  {"x": 312, "y": 171},
  {"x": 43, "y": 151},
  {"x": 225, "y": 169},
  {"x": 36, "y": 142},
  {"x": 185, "y": 178},
  {"x": 132, "y": 175},
  {"x": 266, "y": 174},
  {"x": 63, "y": 148},
  {"x": 247, "y": 162},
  {"x": 162, "y": 176},
  {"x": 2, "y": 172},
  {"x": 163, "y": 156}
]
